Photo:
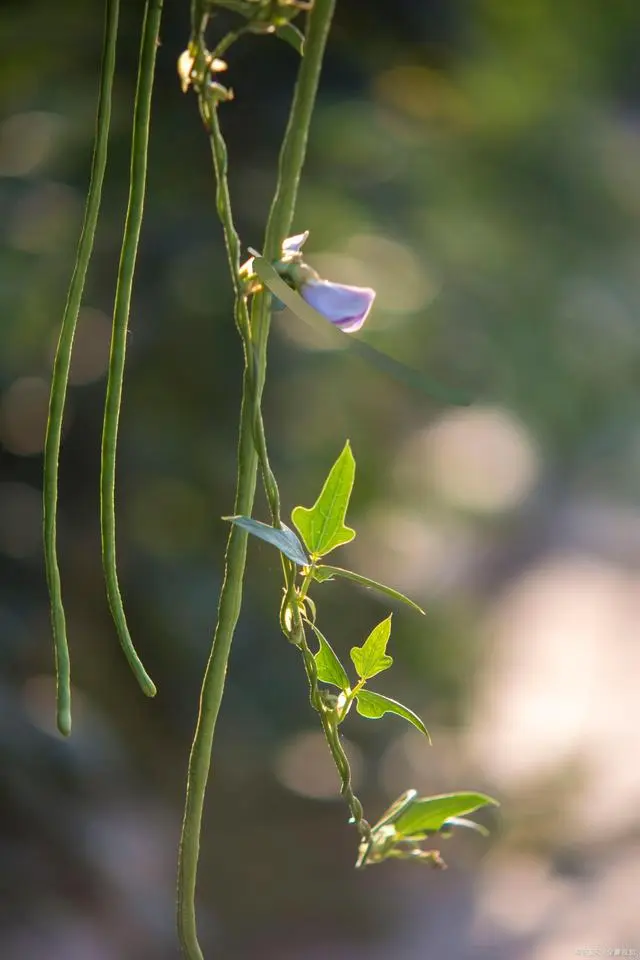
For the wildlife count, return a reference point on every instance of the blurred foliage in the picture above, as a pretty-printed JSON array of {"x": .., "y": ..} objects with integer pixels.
[{"x": 478, "y": 165}]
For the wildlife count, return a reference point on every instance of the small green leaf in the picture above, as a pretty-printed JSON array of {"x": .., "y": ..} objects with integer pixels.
[
  {"x": 312, "y": 609},
  {"x": 446, "y": 828},
  {"x": 428, "y": 814},
  {"x": 394, "y": 810},
  {"x": 325, "y": 572},
  {"x": 371, "y": 658},
  {"x": 322, "y": 526},
  {"x": 330, "y": 670},
  {"x": 292, "y": 36},
  {"x": 284, "y": 539},
  {"x": 374, "y": 705}
]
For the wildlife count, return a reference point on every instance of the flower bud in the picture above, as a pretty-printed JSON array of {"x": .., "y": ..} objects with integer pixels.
[{"x": 294, "y": 244}]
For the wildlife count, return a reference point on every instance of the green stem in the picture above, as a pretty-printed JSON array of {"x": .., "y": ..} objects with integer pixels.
[
  {"x": 291, "y": 161},
  {"x": 232, "y": 243},
  {"x": 221, "y": 48},
  {"x": 213, "y": 686},
  {"x": 199, "y": 20},
  {"x": 133, "y": 222},
  {"x": 281, "y": 214},
  {"x": 306, "y": 582},
  {"x": 350, "y": 698},
  {"x": 330, "y": 720},
  {"x": 62, "y": 364}
]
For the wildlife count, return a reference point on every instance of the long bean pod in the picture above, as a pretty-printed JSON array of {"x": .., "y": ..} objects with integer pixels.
[
  {"x": 126, "y": 269},
  {"x": 62, "y": 365}
]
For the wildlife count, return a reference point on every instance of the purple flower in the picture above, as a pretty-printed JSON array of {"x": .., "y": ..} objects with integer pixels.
[
  {"x": 293, "y": 244},
  {"x": 346, "y": 307}
]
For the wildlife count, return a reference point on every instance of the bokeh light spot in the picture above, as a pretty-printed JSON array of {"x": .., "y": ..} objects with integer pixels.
[
  {"x": 420, "y": 93},
  {"x": 561, "y": 680},
  {"x": 20, "y": 520},
  {"x": 304, "y": 765},
  {"x": 480, "y": 459},
  {"x": 26, "y": 141},
  {"x": 414, "y": 553},
  {"x": 90, "y": 357},
  {"x": 45, "y": 219},
  {"x": 351, "y": 136},
  {"x": 402, "y": 281},
  {"x": 435, "y": 768},
  {"x": 168, "y": 518},
  {"x": 23, "y": 416},
  {"x": 191, "y": 278}
]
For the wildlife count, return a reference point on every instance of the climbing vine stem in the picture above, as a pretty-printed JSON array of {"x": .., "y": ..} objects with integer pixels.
[{"x": 291, "y": 161}]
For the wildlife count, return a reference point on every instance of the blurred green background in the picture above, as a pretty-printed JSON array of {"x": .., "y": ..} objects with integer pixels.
[{"x": 478, "y": 163}]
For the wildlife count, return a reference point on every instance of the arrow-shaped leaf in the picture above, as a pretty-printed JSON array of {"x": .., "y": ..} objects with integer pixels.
[
  {"x": 374, "y": 705},
  {"x": 284, "y": 539},
  {"x": 322, "y": 526},
  {"x": 326, "y": 572},
  {"x": 428, "y": 814},
  {"x": 330, "y": 670},
  {"x": 371, "y": 658}
]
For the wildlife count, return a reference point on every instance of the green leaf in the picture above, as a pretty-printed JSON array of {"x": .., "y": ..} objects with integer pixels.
[
  {"x": 428, "y": 814},
  {"x": 322, "y": 526},
  {"x": 284, "y": 539},
  {"x": 371, "y": 658},
  {"x": 394, "y": 810},
  {"x": 292, "y": 36},
  {"x": 325, "y": 572},
  {"x": 446, "y": 828},
  {"x": 330, "y": 670},
  {"x": 374, "y": 705}
]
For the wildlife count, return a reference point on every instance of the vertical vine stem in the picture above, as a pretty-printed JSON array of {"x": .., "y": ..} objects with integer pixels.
[
  {"x": 62, "y": 364},
  {"x": 280, "y": 216},
  {"x": 133, "y": 222},
  {"x": 232, "y": 242}
]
